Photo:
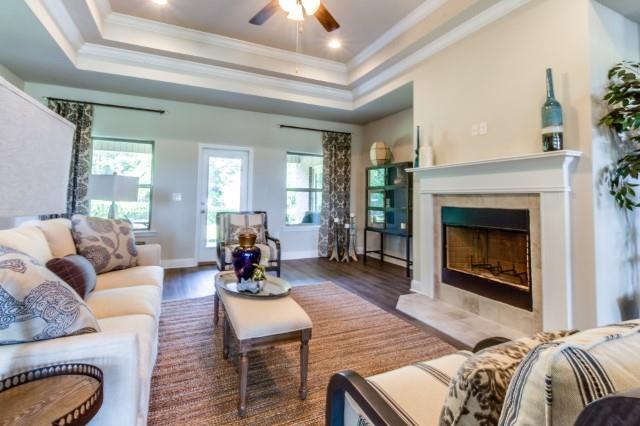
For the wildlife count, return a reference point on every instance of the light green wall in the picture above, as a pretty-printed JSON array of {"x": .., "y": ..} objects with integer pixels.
[{"x": 178, "y": 134}]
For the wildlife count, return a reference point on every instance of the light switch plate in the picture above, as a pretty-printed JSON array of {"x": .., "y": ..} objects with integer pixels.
[
  {"x": 474, "y": 130},
  {"x": 483, "y": 128}
]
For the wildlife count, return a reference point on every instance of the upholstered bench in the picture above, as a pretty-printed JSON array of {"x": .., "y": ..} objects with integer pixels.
[{"x": 261, "y": 323}]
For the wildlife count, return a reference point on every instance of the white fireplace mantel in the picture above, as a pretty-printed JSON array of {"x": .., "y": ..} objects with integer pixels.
[{"x": 546, "y": 174}]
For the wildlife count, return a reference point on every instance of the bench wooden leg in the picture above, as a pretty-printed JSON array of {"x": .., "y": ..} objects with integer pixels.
[
  {"x": 216, "y": 308},
  {"x": 244, "y": 372},
  {"x": 304, "y": 363},
  {"x": 225, "y": 338}
]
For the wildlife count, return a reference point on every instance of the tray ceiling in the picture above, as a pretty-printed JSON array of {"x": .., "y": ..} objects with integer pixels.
[{"x": 362, "y": 22}]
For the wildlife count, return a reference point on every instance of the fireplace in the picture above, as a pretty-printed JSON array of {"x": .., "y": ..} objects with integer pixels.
[{"x": 488, "y": 252}]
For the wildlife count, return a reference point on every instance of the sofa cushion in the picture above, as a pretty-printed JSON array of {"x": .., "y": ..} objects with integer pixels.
[
  {"x": 76, "y": 271},
  {"x": 417, "y": 391},
  {"x": 29, "y": 240},
  {"x": 557, "y": 380},
  {"x": 35, "y": 304},
  {"x": 108, "y": 244},
  {"x": 477, "y": 391},
  {"x": 139, "y": 275},
  {"x": 138, "y": 300},
  {"x": 58, "y": 235}
]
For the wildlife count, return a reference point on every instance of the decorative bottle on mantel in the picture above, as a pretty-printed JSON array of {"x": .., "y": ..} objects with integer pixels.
[{"x": 552, "y": 122}]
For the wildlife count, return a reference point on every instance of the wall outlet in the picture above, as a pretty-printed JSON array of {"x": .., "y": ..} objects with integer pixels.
[
  {"x": 176, "y": 196},
  {"x": 474, "y": 130},
  {"x": 483, "y": 128}
]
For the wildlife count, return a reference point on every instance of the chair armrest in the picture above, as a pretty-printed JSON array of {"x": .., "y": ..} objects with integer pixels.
[
  {"x": 367, "y": 398},
  {"x": 620, "y": 409},
  {"x": 116, "y": 354},
  {"x": 149, "y": 254},
  {"x": 487, "y": 343}
]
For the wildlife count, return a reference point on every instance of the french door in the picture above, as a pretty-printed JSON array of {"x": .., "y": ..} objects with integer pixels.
[{"x": 223, "y": 185}]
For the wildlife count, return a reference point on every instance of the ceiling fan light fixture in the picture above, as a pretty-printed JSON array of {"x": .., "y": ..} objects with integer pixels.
[
  {"x": 311, "y": 6},
  {"x": 296, "y": 14},
  {"x": 335, "y": 44},
  {"x": 161, "y": 2},
  {"x": 288, "y": 5}
]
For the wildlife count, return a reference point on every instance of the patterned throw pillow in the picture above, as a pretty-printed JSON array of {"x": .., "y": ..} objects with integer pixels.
[
  {"x": 477, "y": 392},
  {"x": 108, "y": 244},
  {"x": 35, "y": 304},
  {"x": 76, "y": 271},
  {"x": 557, "y": 380}
]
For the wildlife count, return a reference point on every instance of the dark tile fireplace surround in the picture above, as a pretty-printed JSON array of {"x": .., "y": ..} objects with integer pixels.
[{"x": 488, "y": 252}]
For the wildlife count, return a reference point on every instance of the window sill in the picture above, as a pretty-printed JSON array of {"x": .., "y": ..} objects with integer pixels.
[
  {"x": 301, "y": 228},
  {"x": 146, "y": 234}
]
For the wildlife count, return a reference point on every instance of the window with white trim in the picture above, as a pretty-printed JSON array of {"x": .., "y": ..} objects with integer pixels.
[{"x": 304, "y": 188}]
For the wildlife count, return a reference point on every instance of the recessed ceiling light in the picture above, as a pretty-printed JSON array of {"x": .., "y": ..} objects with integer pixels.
[
  {"x": 160, "y": 2},
  {"x": 335, "y": 44}
]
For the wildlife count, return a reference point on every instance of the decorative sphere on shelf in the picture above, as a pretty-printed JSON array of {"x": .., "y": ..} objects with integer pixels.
[{"x": 379, "y": 154}]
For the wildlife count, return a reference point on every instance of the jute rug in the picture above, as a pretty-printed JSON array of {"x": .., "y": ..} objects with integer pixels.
[{"x": 192, "y": 383}]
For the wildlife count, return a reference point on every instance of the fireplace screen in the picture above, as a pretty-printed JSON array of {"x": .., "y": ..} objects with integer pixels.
[{"x": 487, "y": 252}]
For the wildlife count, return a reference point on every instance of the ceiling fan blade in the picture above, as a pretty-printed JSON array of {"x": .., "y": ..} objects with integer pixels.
[
  {"x": 266, "y": 13},
  {"x": 326, "y": 19}
]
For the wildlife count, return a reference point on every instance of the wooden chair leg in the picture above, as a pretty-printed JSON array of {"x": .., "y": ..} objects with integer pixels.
[
  {"x": 244, "y": 372},
  {"x": 304, "y": 363},
  {"x": 225, "y": 338}
]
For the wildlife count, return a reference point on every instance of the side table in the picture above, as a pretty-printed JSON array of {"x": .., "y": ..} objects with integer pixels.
[{"x": 61, "y": 395}]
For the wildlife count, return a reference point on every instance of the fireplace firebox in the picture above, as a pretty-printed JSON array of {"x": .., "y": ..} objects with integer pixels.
[{"x": 487, "y": 252}]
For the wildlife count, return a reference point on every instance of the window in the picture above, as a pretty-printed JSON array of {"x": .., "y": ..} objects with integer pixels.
[
  {"x": 126, "y": 158},
  {"x": 304, "y": 188}
]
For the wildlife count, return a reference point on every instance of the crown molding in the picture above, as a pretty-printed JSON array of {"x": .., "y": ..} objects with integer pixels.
[
  {"x": 53, "y": 16},
  {"x": 146, "y": 65},
  {"x": 492, "y": 14},
  {"x": 222, "y": 41},
  {"x": 401, "y": 27}
]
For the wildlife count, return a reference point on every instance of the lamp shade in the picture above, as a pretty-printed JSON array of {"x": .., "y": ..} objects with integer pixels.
[
  {"x": 35, "y": 154},
  {"x": 113, "y": 188}
]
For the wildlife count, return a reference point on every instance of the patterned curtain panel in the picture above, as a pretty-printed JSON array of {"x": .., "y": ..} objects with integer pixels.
[
  {"x": 82, "y": 116},
  {"x": 336, "y": 185}
]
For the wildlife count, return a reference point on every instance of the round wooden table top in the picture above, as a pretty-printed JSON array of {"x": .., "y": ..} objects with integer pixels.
[{"x": 69, "y": 394}]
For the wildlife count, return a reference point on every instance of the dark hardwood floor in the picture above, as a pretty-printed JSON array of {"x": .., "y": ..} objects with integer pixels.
[{"x": 379, "y": 283}]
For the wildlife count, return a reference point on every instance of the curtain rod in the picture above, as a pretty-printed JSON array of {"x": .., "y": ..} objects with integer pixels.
[
  {"x": 285, "y": 126},
  {"x": 155, "y": 111}
]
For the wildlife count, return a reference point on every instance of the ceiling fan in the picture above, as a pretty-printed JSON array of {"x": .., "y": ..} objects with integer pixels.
[{"x": 296, "y": 10}]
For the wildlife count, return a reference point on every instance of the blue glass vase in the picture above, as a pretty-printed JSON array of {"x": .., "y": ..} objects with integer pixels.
[{"x": 245, "y": 256}]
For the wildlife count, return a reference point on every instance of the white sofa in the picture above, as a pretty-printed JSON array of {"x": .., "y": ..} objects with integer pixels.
[{"x": 127, "y": 305}]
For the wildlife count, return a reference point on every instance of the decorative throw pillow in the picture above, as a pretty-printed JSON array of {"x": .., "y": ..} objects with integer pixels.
[
  {"x": 76, "y": 271},
  {"x": 557, "y": 380},
  {"x": 239, "y": 222},
  {"x": 477, "y": 392},
  {"x": 108, "y": 244},
  {"x": 35, "y": 304}
]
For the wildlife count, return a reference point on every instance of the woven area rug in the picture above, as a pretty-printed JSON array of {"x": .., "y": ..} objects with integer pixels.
[{"x": 192, "y": 384}]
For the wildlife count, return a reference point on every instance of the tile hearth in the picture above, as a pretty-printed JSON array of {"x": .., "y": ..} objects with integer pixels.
[{"x": 460, "y": 324}]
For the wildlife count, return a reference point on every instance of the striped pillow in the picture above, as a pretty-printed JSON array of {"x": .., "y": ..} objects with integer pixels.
[
  {"x": 557, "y": 380},
  {"x": 476, "y": 394}
]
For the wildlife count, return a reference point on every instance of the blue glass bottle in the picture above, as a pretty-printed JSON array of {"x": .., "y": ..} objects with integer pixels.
[{"x": 552, "y": 122}]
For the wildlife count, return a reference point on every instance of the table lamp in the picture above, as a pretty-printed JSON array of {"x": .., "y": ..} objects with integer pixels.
[{"x": 113, "y": 188}]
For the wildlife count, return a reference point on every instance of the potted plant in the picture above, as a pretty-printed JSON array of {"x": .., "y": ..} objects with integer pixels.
[{"x": 623, "y": 98}]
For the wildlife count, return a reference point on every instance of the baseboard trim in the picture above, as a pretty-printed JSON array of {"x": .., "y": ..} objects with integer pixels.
[
  {"x": 302, "y": 254},
  {"x": 179, "y": 263}
]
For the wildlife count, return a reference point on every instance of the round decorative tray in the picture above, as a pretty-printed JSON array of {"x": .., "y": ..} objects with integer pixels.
[
  {"x": 66, "y": 395},
  {"x": 273, "y": 286}
]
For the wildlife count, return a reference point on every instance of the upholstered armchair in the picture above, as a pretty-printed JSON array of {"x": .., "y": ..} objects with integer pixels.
[{"x": 229, "y": 225}]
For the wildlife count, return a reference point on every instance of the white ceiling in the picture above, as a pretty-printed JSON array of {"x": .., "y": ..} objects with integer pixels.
[
  {"x": 87, "y": 44},
  {"x": 361, "y": 21},
  {"x": 628, "y": 8}
]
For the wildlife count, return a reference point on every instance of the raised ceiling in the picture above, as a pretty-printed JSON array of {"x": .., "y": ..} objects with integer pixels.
[
  {"x": 362, "y": 22},
  {"x": 90, "y": 44},
  {"x": 628, "y": 8}
]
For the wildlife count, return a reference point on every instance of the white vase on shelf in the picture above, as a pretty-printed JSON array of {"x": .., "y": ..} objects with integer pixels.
[{"x": 427, "y": 156}]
